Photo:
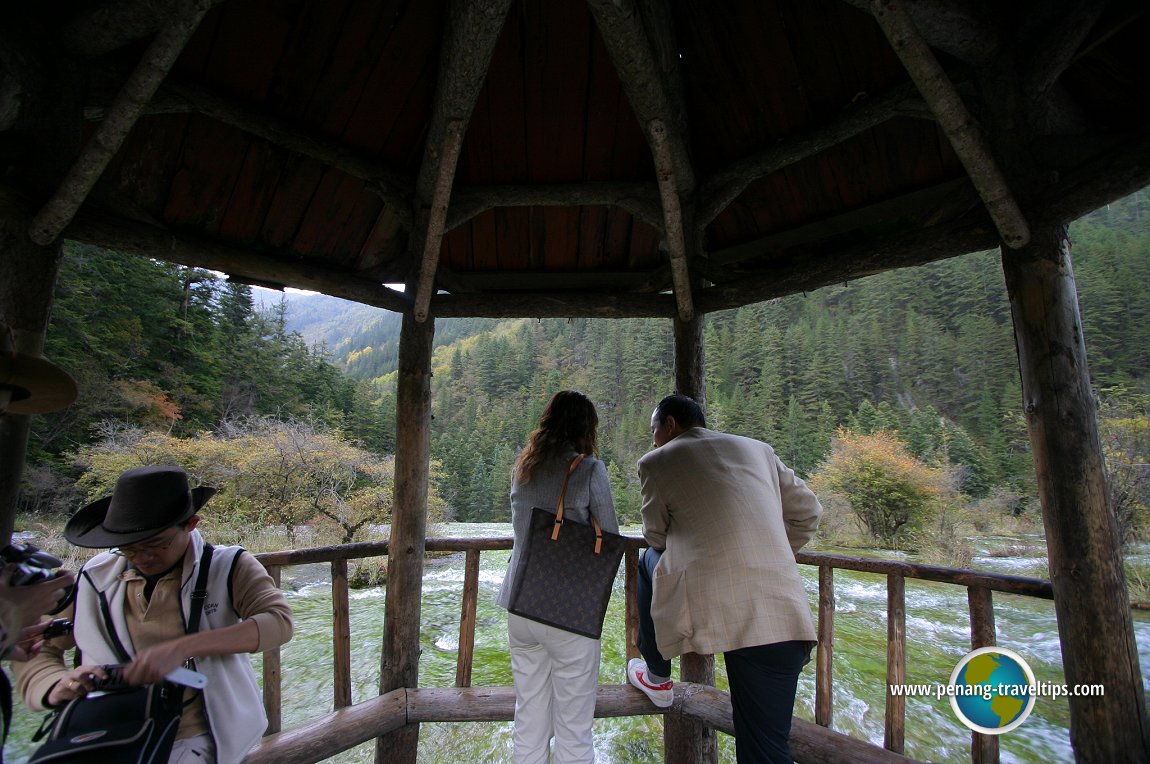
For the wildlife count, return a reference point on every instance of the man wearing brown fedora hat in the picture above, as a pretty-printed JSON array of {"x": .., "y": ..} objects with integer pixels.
[{"x": 138, "y": 605}]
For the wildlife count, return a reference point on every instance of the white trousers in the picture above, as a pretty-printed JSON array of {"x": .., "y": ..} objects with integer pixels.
[{"x": 556, "y": 675}]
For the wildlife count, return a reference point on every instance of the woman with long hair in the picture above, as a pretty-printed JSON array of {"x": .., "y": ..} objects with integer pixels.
[{"x": 556, "y": 672}]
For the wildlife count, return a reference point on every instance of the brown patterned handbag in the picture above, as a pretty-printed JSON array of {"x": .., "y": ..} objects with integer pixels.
[{"x": 567, "y": 570}]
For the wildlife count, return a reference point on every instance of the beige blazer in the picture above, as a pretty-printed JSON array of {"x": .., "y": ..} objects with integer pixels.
[{"x": 730, "y": 516}]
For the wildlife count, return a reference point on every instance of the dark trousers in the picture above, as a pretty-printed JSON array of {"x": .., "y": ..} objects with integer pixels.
[
  {"x": 656, "y": 663},
  {"x": 763, "y": 681}
]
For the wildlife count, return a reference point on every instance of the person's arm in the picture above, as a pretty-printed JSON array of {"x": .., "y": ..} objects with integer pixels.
[
  {"x": 656, "y": 514},
  {"x": 801, "y": 507},
  {"x": 152, "y": 663},
  {"x": 266, "y": 624}
]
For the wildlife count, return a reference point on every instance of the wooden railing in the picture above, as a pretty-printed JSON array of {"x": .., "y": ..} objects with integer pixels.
[{"x": 980, "y": 587}]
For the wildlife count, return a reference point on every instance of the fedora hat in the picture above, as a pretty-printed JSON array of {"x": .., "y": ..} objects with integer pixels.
[
  {"x": 35, "y": 384},
  {"x": 146, "y": 501}
]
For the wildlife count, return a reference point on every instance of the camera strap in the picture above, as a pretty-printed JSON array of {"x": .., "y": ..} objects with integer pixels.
[{"x": 200, "y": 593}]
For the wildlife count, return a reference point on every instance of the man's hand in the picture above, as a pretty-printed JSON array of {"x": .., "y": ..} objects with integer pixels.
[{"x": 153, "y": 663}]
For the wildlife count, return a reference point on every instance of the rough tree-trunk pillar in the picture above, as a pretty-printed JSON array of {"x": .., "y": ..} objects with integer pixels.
[
  {"x": 1090, "y": 598},
  {"x": 27, "y": 279},
  {"x": 400, "y": 662},
  {"x": 686, "y": 741}
]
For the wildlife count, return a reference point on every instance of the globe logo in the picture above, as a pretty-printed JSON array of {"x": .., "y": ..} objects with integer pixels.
[{"x": 992, "y": 690}]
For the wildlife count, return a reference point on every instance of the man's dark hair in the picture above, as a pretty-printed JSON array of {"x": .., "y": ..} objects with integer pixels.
[{"x": 687, "y": 412}]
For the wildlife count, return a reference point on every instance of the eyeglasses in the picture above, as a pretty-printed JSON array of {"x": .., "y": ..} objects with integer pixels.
[{"x": 148, "y": 549}]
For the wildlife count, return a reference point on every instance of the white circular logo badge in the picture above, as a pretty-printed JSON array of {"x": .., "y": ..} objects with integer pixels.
[{"x": 992, "y": 690}]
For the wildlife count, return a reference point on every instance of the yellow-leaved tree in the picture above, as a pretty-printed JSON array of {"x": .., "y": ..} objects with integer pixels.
[
  {"x": 270, "y": 475},
  {"x": 893, "y": 495}
]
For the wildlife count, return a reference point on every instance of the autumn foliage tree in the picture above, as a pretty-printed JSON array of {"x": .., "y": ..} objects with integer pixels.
[
  {"x": 268, "y": 474},
  {"x": 892, "y": 494}
]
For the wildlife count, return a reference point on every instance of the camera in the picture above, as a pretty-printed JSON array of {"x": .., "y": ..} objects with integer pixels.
[
  {"x": 58, "y": 627},
  {"x": 31, "y": 567}
]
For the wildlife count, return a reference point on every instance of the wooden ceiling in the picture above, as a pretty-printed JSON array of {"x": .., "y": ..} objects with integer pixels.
[{"x": 568, "y": 157}]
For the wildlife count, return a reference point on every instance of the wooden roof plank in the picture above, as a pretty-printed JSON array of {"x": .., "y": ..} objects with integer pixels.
[
  {"x": 300, "y": 70},
  {"x": 298, "y": 183},
  {"x": 231, "y": 68},
  {"x": 556, "y": 79},
  {"x": 396, "y": 80},
  {"x": 142, "y": 169},
  {"x": 208, "y": 147},
  {"x": 252, "y": 194}
]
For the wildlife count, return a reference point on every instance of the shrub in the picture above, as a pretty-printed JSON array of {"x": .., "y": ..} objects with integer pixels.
[{"x": 893, "y": 494}]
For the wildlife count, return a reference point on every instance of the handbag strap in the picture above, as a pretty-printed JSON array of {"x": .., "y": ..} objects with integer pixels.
[{"x": 559, "y": 508}]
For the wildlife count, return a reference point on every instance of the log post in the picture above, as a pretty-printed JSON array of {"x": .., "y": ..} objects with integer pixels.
[
  {"x": 686, "y": 740},
  {"x": 824, "y": 661},
  {"x": 27, "y": 280},
  {"x": 895, "y": 734},
  {"x": 1090, "y": 599},
  {"x": 273, "y": 673},
  {"x": 467, "y": 614},
  {"x": 400, "y": 661},
  {"x": 983, "y": 748},
  {"x": 340, "y": 633},
  {"x": 690, "y": 373}
]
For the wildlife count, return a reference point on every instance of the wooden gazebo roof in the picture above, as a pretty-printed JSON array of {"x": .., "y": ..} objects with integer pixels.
[{"x": 561, "y": 157}]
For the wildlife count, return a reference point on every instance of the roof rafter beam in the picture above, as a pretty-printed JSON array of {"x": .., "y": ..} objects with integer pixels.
[
  {"x": 99, "y": 228},
  {"x": 635, "y": 50},
  {"x": 963, "y": 132},
  {"x": 473, "y": 27},
  {"x": 673, "y": 227},
  {"x": 393, "y": 187},
  {"x": 725, "y": 185},
  {"x": 126, "y": 109},
  {"x": 639, "y": 199},
  {"x": 927, "y": 245}
]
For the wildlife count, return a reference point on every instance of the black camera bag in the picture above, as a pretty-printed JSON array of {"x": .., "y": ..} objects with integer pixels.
[{"x": 134, "y": 724}]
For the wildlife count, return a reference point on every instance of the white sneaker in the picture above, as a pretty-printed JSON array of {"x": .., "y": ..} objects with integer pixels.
[{"x": 662, "y": 695}]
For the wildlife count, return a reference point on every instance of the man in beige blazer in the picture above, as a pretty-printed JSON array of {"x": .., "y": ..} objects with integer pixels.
[{"x": 724, "y": 517}]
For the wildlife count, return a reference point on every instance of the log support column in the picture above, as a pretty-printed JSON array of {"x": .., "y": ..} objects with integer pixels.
[
  {"x": 27, "y": 280},
  {"x": 1090, "y": 599},
  {"x": 686, "y": 741},
  {"x": 400, "y": 661}
]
